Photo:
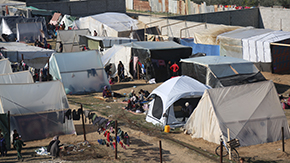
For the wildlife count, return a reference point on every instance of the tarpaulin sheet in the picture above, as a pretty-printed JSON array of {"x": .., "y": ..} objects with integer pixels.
[{"x": 209, "y": 50}]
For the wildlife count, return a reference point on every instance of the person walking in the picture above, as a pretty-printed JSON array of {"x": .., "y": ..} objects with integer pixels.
[{"x": 18, "y": 144}]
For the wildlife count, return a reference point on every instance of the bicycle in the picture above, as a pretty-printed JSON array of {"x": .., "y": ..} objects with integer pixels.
[{"x": 234, "y": 153}]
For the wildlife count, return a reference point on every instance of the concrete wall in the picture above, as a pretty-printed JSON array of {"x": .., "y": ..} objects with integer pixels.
[
  {"x": 83, "y": 8},
  {"x": 275, "y": 18}
]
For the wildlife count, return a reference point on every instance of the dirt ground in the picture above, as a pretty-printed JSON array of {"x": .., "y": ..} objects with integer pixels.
[{"x": 145, "y": 142}]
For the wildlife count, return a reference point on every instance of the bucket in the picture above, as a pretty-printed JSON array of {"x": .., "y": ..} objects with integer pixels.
[{"x": 167, "y": 128}]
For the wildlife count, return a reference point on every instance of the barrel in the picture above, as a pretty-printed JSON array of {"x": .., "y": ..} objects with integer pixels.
[{"x": 167, "y": 128}]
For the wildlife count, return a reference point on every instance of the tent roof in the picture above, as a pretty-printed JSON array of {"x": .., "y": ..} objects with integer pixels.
[
  {"x": 16, "y": 77},
  {"x": 214, "y": 60},
  {"x": 178, "y": 87},
  {"x": 5, "y": 66},
  {"x": 244, "y": 33},
  {"x": 156, "y": 45},
  {"x": 99, "y": 38},
  {"x": 17, "y": 46}
]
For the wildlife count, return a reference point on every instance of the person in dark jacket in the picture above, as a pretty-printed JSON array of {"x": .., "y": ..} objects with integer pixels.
[
  {"x": 187, "y": 110},
  {"x": 15, "y": 136},
  {"x": 51, "y": 143},
  {"x": 54, "y": 150},
  {"x": 169, "y": 72},
  {"x": 18, "y": 144}
]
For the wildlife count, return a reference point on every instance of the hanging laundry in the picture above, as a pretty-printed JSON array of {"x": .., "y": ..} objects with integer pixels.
[{"x": 76, "y": 116}]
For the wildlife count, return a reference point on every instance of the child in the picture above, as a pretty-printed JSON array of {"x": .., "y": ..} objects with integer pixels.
[
  {"x": 18, "y": 144},
  {"x": 3, "y": 146},
  {"x": 15, "y": 135}
]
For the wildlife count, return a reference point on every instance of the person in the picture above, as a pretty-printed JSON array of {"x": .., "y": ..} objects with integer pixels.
[
  {"x": 37, "y": 43},
  {"x": 3, "y": 145},
  {"x": 63, "y": 25},
  {"x": 18, "y": 144},
  {"x": 187, "y": 110},
  {"x": 111, "y": 81},
  {"x": 141, "y": 96},
  {"x": 95, "y": 33},
  {"x": 107, "y": 92},
  {"x": 108, "y": 68},
  {"x": 51, "y": 143},
  {"x": 60, "y": 49},
  {"x": 242, "y": 160},
  {"x": 169, "y": 72},
  {"x": 145, "y": 93},
  {"x": 175, "y": 69},
  {"x": 120, "y": 71},
  {"x": 131, "y": 94},
  {"x": 54, "y": 150},
  {"x": 15, "y": 136}
]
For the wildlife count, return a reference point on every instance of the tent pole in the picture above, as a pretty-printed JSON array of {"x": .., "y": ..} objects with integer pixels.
[
  {"x": 116, "y": 130},
  {"x": 230, "y": 149},
  {"x": 160, "y": 151},
  {"x": 283, "y": 145},
  {"x": 84, "y": 130},
  {"x": 48, "y": 69},
  {"x": 9, "y": 127}
]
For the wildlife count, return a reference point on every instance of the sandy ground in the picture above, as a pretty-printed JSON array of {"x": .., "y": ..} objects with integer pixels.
[{"x": 145, "y": 147}]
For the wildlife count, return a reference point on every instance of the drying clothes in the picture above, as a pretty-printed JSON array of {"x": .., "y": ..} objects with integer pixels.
[
  {"x": 96, "y": 120},
  {"x": 126, "y": 139},
  {"x": 120, "y": 133},
  {"x": 108, "y": 136},
  {"x": 87, "y": 113},
  {"x": 112, "y": 146},
  {"x": 76, "y": 116},
  {"x": 68, "y": 114},
  {"x": 80, "y": 111},
  {"x": 118, "y": 139}
]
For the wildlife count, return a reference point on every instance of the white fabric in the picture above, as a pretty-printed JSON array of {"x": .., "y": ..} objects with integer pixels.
[
  {"x": 107, "y": 24},
  {"x": 18, "y": 77},
  {"x": 110, "y": 41},
  {"x": 5, "y": 28},
  {"x": 257, "y": 48},
  {"x": 5, "y": 66},
  {"x": 67, "y": 21},
  {"x": 258, "y": 120},
  {"x": 28, "y": 31},
  {"x": 80, "y": 72},
  {"x": 118, "y": 53},
  {"x": 172, "y": 90}
]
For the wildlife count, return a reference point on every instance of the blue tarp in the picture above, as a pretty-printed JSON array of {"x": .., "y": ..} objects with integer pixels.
[{"x": 209, "y": 50}]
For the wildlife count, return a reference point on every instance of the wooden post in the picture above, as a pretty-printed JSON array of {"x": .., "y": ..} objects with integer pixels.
[
  {"x": 22, "y": 59},
  {"x": 48, "y": 70},
  {"x": 230, "y": 150},
  {"x": 138, "y": 71},
  {"x": 221, "y": 151},
  {"x": 116, "y": 130},
  {"x": 160, "y": 150},
  {"x": 283, "y": 144},
  {"x": 9, "y": 128},
  {"x": 84, "y": 129}
]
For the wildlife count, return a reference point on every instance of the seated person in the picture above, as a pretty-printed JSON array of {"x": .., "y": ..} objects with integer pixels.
[
  {"x": 111, "y": 81},
  {"x": 145, "y": 93},
  {"x": 131, "y": 94},
  {"x": 107, "y": 92}
]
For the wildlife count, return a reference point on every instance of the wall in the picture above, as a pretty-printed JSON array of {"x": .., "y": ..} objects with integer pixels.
[
  {"x": 275, "y": 18},
  {"x": 83, "y": 8},
  {"x": 141, "y": 5}
]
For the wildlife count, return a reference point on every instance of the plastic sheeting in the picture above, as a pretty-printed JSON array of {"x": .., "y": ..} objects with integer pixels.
[
  {"x": 5, "y": 66},
  {"x": 209, "y": 50},
  {"x": 109, "y": 24},
  {"x": 5, "y": 28},
  {"x": 29, "y": 32},
  {"x": 217, "y": 71},
  {"x": 33, "y": 56},
  {"x": 258, "y": 120},
  {"x": 70, "y": 39},
  {"x": 257, "y": 48},
  {"x": 104, "y": 42},
  {"x": 55, "y": 18},
  {"x": 80, "y": 72},
  {"x": 18, "y": 77},
  {"x": 68, "y": 20},
  {"x": 169, "y": 92},
  {"x": 231, "y": 42}
]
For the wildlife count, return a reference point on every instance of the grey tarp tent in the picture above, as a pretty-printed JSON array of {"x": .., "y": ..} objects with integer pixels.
[
  {"x": 252, "y": 112},
  {"x": 5, "y": 66},
  {"x": 17, "y": 77},
  {"x": 80, "y": 72},
  {"x": 37, "y": 109},
  {"x": 218, "y": 71}
]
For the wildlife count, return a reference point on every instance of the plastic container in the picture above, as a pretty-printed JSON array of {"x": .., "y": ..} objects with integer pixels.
[{"x": 167, "y": 129}]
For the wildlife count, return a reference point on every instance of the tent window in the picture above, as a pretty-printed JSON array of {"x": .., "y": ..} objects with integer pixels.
[{"x": 157, "y": 108}]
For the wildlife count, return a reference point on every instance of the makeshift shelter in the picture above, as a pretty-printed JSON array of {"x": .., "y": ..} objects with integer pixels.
[
  {"x": 80, "y": 72},
  {"x": 55, "y": 18},
  {"x": 109, "y": 24},
  {"x": 70, "y": 39},
  {"x": 164, "y": 109},
  {"x": 153, "y": 55},
  {"x": 29, "y": 32},
  {"x": 252, "y": 113},
  {"x": 96, "y": 42},
  {"x": 218, "y": 71},
  {"x": 5, "y": 66},
  {"x": 208, "y": 50},
  {"x": 33, "y": 56},
  {"x": 17, "y": 77},
  {"x": 68, "y": 21},
  {"x": 140, "y": 33},
  {"x": 37, "y": 109}
]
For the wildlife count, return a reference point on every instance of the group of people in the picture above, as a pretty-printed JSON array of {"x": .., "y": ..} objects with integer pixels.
[{"x": 135, "y": 103}]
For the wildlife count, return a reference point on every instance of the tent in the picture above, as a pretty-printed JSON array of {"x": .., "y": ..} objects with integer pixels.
[
  {"x": 5, "y": 66},
  {"x": 17, "y": 77},
  {"x": 70, "y": 39},
  {"x": 217, "y": 71},
  {"x": 209, "y": 50},
  {"x": 68, "y": 21},
  {"x": 33, "y": 56},
  {"x": 109, "y": 24},
  {"x": 37, "y": 109},
  {"x": 168, "y": 95},
  {"x": 252, "y": 112},
  {"x": 153, "y": 55},
  {"x": 29, "y": 32},
  {"x": 80, "y": 72},
  {"x": 97, "y": 42}
]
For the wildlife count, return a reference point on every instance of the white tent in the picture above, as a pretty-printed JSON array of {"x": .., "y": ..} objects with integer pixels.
[
  {"x": 17, "y": 77},
  {"x": 231, "y": 42},
  {"x": 33, "y": 56},
  {"x": 37, "y": 109},
  {"x": 70, "y": 39},
  {"x": 110, "y": 24},
  {"x": 252, "y": 112},
  {"x": 172, "y": 90},
  {"x": 29, "y": 32},
  {"x": 80, "y": 72},
  {"x": 5, "y": 66},
  {"x": 5, "y": 28}
]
